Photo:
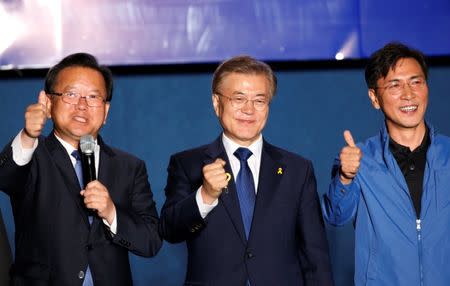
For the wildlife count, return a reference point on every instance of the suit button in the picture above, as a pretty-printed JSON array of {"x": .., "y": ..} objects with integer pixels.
[
  {"x": 89, "y": 246},
  {"x": 81, "y": 274},
  {"x": 250, "y": 255}
]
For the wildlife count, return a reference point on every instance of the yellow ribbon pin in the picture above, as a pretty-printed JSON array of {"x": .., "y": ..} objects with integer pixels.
[
  {"x": 280, "y": 171},
  {"x": 228, "y": 179}
]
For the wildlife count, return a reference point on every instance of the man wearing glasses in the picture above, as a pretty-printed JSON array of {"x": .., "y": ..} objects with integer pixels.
[
  {"x": 70, "y": 232},
  {"x": 397, "y": 184},
  {"x": 248, "y": 211}
]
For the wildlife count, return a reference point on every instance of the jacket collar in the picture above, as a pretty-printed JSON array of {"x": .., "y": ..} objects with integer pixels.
[{"x": 384, "y": 134}]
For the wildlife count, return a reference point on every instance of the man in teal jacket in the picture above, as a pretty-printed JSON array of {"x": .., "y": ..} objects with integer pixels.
[{"x": 396, "y": 184}]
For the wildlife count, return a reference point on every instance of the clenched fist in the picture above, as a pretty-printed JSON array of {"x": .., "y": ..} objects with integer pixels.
[{"x": 214, "y": 180}]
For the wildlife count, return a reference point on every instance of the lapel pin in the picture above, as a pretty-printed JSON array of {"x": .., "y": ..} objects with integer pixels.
[
  {"x": 228, "y": 179},
  {"x": 280, "y": 171}
]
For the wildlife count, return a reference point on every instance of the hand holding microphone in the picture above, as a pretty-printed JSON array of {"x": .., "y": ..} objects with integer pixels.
[{"x": 96, "y": 196}]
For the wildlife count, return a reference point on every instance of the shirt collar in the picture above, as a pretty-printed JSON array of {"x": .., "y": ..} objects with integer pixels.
[
  {"x": 397, "y": 148},
  {"x": 231, "y": 146},
  {"x": 69, "y": 148}
]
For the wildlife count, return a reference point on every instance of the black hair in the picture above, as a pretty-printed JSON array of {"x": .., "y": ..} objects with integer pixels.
[
  {"x": 80, "y": 60},
  {"x": 386, "y": 58}
]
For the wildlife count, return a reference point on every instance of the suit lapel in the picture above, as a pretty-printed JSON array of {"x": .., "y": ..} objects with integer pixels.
[
  {"x": 63, "y": 163},
  {"x": 106, "y": 166},
  {"x": 229, "y": 199},
  {"x": 270, "y": 175}
]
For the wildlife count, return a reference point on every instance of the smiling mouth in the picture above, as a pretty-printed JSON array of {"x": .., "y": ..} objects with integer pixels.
[
  {"x": 80, "y": 119},
  {"x": 246, "y": 121},
  {"x": 409, "y": 108}
]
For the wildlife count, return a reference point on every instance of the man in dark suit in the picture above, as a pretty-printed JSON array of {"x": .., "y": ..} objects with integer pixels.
[
  {"x": 70, "y": 233},
  {"x": 5, "y": 254},
  {"x": 237, "y": 234}
]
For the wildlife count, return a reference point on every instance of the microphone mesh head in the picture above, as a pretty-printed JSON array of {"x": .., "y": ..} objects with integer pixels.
[{"x": 87, "y": 144}]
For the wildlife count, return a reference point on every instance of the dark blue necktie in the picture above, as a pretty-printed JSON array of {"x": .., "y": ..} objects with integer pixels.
[
  {"x": 245, "y": 188},
  {"x": 78, "y": 169}
]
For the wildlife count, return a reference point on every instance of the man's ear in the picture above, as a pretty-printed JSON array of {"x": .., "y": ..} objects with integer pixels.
[
  {"x": 48, "y": 106},
  {"x": 374, "y": 98},
  {"x": 107, "y": 106},
  {"x": 216, "y": 104}
]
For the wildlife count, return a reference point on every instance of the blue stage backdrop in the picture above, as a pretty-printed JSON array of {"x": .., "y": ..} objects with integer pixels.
[{"x": 156, "y": 115}]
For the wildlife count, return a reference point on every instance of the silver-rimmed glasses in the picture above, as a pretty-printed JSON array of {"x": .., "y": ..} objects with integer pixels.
[
  {"x": 239, "y": 101},
  {"x": 72, "y": 97}
]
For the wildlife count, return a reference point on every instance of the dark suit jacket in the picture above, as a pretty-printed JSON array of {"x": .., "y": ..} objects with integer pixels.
[
  {"x": 5, "y": 254},
  {"x": 54, "y": 240},
  {"x": 287, "y": 243}
]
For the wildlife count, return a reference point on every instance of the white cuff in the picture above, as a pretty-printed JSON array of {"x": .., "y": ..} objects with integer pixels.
[
  {"x": 113, "y": 226},
  {"x": 22, "y": 156},
  {"x": 204, "y": 208}
]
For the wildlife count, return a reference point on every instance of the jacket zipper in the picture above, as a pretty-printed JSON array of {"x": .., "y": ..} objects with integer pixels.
[{"x": 419, "y": 241}]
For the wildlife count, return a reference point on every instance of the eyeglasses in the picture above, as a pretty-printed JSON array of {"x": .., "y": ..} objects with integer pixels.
[
  {"x": 71, "y": 97},
  {"x": 396, "y": 87},
  {"x": 239, "y": 101}
]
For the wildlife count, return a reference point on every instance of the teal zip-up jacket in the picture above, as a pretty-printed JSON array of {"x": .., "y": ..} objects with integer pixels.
[{"x": 393, "y": 247}]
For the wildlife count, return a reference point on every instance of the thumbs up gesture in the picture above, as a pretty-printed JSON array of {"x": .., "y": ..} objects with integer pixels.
[
  {"x": 35, "y": 117},
  {"x": 350, "y": 157}
]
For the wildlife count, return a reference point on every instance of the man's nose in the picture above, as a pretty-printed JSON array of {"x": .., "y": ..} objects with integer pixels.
[
  {"x": 249, "y": 106},
  {"x": 82, "y": 102}
]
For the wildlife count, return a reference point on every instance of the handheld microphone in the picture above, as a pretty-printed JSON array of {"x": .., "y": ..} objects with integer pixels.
[{"x": 87, "y": 146}]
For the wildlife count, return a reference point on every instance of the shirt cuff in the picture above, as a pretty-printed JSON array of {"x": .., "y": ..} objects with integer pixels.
[
  {"x": 204, "y": 208},
  {"x": 113, "y": 226},
  {"x": 22, "y": 156},
  {"x": 341, "y": 189}
]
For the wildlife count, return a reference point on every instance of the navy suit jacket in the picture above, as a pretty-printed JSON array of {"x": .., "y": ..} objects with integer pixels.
[
  {"x": 5, "y": 254},
  {"x": 54, "y": 240},
  {"x": 287, "y": 243}
]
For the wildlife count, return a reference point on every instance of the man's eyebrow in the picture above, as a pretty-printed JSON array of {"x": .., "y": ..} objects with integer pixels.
[{"x": 242, "y": 93}]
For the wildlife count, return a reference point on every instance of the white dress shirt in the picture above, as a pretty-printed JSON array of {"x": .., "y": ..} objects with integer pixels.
[
  {"x": 22, "y": 156},
  {"x": 254, "y": 162}
]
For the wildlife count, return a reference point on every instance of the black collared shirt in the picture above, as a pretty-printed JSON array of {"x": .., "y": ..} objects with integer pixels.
[{"x": 412, "y": 165}]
